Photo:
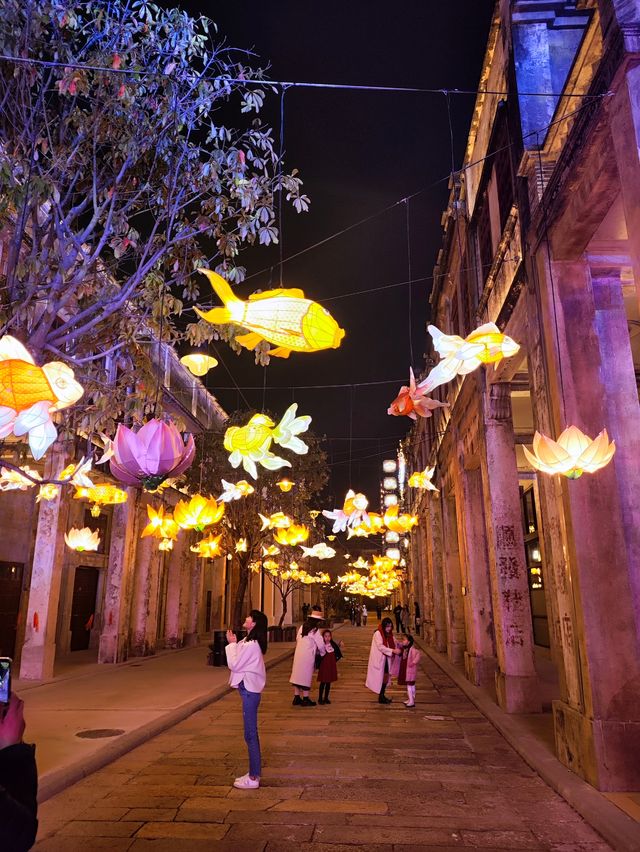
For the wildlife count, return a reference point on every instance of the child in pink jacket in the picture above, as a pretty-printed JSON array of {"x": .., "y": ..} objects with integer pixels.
[{"x": 408, "y": 668}]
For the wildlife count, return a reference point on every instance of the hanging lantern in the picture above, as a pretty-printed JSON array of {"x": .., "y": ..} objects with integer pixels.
[
  {"x": 285, "y": 485},
  {"x": 486, "y": 345},
  {"x": 235, "y": 491},
  {"x": 422, "y": 479},
  {"x": 241, "y": 545},
  {"x": 48, "y": 492},
  {"x": 198, "y": 513},
  {"x": 166, "y": 544},
  {"x": 29, "y": 395},
  {"x": 104, "y": 494},
  {"x": 271, "y": 550},
  {"x": 81, "y": 540},
  {"x": 399, "y": 523},
  {"x": 13, "y": 480},
  {"x": 413, "y": 402},
  {"x": 250, "y": 445},
  {"x": 313, "y": 514},
  {"x": 282, "y": 317},
  {"x": 160, "y": 525},
  {"x": 573, "y": 454},
  {"x": 209, "y": 547},
  {"x": 198, "y": 363},
  {"x": 319, "y": 551},
  {"x": 277, "y": 521},
  {"x": 352, "y": 513},
  {"x": 295, "y": 534},
  {"x": 151, "y": 455}
]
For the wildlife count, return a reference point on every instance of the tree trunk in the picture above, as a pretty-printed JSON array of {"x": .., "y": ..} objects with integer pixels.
[
  {"x": 284, "y": 609},
  {"x": 241, "y": 590}
]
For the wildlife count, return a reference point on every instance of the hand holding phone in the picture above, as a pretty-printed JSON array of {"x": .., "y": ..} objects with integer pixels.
[
  {"x": 12, "y": 723},
  {"x": 5, "y": 681},
  {"x": 231, "y": 636}
]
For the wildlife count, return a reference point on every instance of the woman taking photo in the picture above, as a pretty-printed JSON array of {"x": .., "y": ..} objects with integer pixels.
[
  {"x": 383, "y": 649},
  {"x": 248, "y": 675},
  {"x": 309, "y": 642}
]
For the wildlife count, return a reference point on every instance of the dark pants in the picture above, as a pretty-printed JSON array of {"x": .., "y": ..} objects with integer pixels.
[{"x": 250, "y": 704}]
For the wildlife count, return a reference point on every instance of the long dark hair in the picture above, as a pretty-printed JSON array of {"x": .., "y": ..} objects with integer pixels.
[
  {"x": 258, "y": 632},
  {"x": 310, "y": 624}
]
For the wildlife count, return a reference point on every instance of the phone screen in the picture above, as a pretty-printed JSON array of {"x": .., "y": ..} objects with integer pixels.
[{"x": 5, "y": 680}]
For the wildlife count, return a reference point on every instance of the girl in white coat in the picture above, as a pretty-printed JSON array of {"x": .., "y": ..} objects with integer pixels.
[
  {"x": 248, "y": 675},
  {"x": 309, "y": 642},
  {"x": 383, "y": 649}
]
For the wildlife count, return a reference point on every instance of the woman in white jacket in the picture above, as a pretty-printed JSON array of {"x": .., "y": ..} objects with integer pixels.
[
  {"x": 248, "y": 675},
  {"x": 309, "y": 642},
  {"x": 383, "y": 649}
]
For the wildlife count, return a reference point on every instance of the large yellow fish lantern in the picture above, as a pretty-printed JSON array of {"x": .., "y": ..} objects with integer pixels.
[
  {"x": 251, "y": 444},
  {"x": 284, "y": 318},
  {"x": 29, "y": 395}
]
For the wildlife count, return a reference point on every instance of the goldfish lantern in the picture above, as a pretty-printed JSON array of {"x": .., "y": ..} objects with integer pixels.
[
  {"x": 413, "y": 402},
  {"x": 241, "y": 545},
  {"x": 284, "y": 318},
  {"x": 198, "y": 513},
  {"x": 165, "y": 544},
  {"x": 47, "y": 492},
  {"x": 29, "y": 395},
  {"x": 151, "y": 455},
  {"x": 198, "y": 363},
  {"x": 84, "y": 539},
  {"x": 319, "y": 551},
  {"x": 399, "y": 523},
  {"x": 251, "y": 444},
  {"x": 277, "y": 521},
  {"x": 422, "y": 479},
  {"x": 103, "y": 494},
  {"x": 285, "y": 485},
  {"x": 486, "y": 345},
  {"x": 573, "y": 454},
  {"x": 353, "y": 512},
  {"x": 15, "y": 480},
  {"x": 235, "y": 491}
]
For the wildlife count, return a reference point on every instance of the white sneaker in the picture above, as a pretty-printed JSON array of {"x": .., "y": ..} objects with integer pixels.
[{"x": 246, "y": 783}]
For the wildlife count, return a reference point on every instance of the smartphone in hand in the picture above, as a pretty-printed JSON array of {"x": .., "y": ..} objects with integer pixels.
[{"x": 5, "y": 682}]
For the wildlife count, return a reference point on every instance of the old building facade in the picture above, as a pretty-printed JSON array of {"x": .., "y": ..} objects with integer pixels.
[{"x": 532, "y": 582}]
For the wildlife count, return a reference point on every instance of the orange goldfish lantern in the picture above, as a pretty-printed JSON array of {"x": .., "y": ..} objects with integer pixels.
[
  {"x": 29, "y": 395},
  {"x": 413, "y": 402},
  {"x": 399, "y": 523}
]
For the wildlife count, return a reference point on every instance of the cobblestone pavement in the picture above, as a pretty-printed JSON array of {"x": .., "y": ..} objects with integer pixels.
[{"x": 352, "y": 775}]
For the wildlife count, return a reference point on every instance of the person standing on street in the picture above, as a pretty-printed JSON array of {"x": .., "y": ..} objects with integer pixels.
[
  {"x": 383, "y": 649},
  {"x": 379, "y": 612},
  {"x": 406, "y": 619},
  {"x": 248, "y": 675},
  {"x": 18, "y": 782},
  {"x": 397, "y": 611},
  {"x": 417, "y": 616},
  {"x": 309, "y": 642},
  {"x": 365, "y": 615}
]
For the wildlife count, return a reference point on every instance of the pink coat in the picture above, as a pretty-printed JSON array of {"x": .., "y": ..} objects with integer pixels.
[{"x": 413, "y": 658}]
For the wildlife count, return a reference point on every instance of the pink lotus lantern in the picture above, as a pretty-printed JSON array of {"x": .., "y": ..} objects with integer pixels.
[{"x": 151, "y": 455}]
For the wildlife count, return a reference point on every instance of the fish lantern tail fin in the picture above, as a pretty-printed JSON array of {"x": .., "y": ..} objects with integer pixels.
[{"x": 220, "y": 287}]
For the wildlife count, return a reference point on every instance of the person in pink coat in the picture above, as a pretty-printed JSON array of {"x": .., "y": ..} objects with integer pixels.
[
  {"x": 408, "y": 668},
  {"x": 383, "y": 653}
]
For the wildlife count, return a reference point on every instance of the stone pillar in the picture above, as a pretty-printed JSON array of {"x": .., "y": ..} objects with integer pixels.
[
  {"x": 435, "y": 559},
  {"x": 625, "y": 133},
  {"x": 454, "y": 610},
  {"x": 480, "y": 661},
  {"x": 114, "y": 636},
  {"x": 144, "y": 601},
  {"x": 196, "y": 568},
  {"x": 601, "y": 743},
  {"x": 174, "y": 604},
  {"x": 38, "y": 653},
  {"x": 516, "y": 679}
]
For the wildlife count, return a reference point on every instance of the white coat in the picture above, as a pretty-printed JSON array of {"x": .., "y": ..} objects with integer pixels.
[
  {"x": 304, "y": 657},
  {"x": 246, "y": 662},
  {"x": 375, "y": 668}
]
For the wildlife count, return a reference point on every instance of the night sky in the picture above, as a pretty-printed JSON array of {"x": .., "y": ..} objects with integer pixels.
[{"x": 357, "y": 152}]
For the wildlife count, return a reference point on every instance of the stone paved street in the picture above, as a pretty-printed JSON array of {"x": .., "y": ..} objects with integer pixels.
[{"x": 353, "y": 775}]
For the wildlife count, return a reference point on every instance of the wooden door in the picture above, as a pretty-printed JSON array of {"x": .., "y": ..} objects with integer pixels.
[
  {"x": 10, "y": 590},
  {"x": 83, "y": 607}
]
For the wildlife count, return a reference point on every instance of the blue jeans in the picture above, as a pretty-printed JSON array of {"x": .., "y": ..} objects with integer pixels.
[{"x": 250, "y": 704}]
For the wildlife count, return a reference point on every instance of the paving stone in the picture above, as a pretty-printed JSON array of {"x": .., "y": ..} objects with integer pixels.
[
  {"x": 151, "y": 814},
  {"x": 97, "y": 844},
  {"x": 103, "y": 813},
  {"x": 353, "y": 806},
  {"x": 87, "y": 828},
  {"x": 505, "y": 839},
  {"x": 389, "y": 834},
  {"x": 184, "y": 830},
  {"x": 244, "y": 836}
]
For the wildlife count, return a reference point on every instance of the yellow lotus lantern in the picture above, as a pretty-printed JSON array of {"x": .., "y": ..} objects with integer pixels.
[
  {"x": 241, "y": 545},
  {"x": 199, "y": 512},
  {"x": 282, "y": 317},
  {"x": 209, "y": 547},
  {"x": 82, "y": 539},
  {"x": 285, "y": 485},
  {"x": 573, "y": 454},
  {"x": 271, "y": 566},
  {"x": 251, "y": 444},
  {"x": 198, "y": 363},
  {"x": 295, "y": 534},
  {"x": 422, "y": 479},
  {"x": 160, "y": 525},
  {"x": 47, "y": 492}
]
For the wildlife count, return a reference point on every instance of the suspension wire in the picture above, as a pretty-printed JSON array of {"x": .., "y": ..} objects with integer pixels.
[
  {"x": 236, "y": 386},
  {"x": 287, "y": 84}
]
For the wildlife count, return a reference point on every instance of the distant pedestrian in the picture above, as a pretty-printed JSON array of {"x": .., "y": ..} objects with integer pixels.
[
  {"x": 410, "y": 657},
  {"x": 406, "y": 619},
  {"x": 358, "y": 615},
  {"x": 378, "y": 612},
  {"x": 352, "y": 615},
  {"x": 397, "y": 611},
  {"x": 365, "y": 615},
  {"x": 305, "y": 611},
  {"x": 248, "y": 675},
  {"x": 309, "y": 642},
  {"x": 328, "y": 670},
  {"x": 383, "y": 650},
  {"x": 417, "y": 616}
]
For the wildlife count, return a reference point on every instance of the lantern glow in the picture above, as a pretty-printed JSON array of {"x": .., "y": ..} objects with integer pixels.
[
  {"x": 199, "y": 512},
  {"x": 198, "y": 363},
  {"x": 82, "y": 539},
  {"x": 422, "y": 479},
  {"x": 250, "y": 445},
  {"x": 573, "y": 454},
  {"x": 151, "y": 455}
]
